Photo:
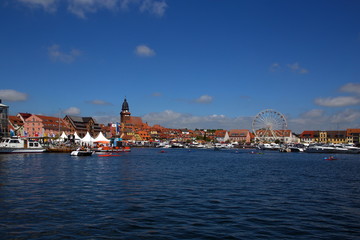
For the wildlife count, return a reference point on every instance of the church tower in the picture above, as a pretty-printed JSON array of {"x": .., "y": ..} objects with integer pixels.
[{"x": 124, "y": 114}]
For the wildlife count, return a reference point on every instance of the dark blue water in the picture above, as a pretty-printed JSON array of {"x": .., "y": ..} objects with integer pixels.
[{"x": 180, "y": 194}]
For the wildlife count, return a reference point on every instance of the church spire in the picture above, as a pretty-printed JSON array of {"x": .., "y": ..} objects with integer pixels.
[
  {"x": 125, "y": 113},
  {"x": 125, "y": 106}
]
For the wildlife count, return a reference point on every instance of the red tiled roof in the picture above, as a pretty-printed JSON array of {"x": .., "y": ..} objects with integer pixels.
[
  {"x": 220, "y": 133},
  {"x": 15, "y": 120}
]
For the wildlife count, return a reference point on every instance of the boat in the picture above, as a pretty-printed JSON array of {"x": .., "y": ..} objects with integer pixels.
[
  {"x": 82, "y": 152},
  {"x": 105, "y": 150},
  {"x": 269, "y": 146},
  {"x": 330, "y": 149},
  {"x": 330, "y": 158},
  {"x": 292, "y": 148},
  {"x": 109, "y": 155},
  {"x": 20, "y": 145}
]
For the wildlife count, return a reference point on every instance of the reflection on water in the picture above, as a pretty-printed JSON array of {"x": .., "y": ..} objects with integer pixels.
[{"x": 179, "y": 194}]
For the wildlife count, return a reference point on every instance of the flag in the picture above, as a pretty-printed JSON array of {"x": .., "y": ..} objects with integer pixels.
[{"x": 117, "y": 128}]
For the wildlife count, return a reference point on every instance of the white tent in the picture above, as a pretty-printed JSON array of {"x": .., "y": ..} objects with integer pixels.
[
  {"x": 101, "y": 138},
  {"x": 63, "y": 136},
  {"x": 87, "y": 139},
  {"x": 77, "y": 138}
]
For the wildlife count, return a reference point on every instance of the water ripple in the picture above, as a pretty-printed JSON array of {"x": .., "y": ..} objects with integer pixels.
[{"x": 179, "y": 195}]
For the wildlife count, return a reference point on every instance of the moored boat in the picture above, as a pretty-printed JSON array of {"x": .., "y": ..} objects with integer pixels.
[
  {"x": 82, "y": 152},
  {"x": 104, "y": 150},
  {"x": 269, "y": 146},
  {"x": 331, "y": 149},
  {"x": 20, "y": 145}
]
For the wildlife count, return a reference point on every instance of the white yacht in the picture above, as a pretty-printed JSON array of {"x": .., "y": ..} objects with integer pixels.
[
  {"x": 269, "y": 146},
  {"x": 20, "y": 145},
  {"x": 330, "y": 149}
]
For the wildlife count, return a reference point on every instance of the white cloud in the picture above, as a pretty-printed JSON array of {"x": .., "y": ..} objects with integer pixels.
[
  {"x": 144, "y": 51},
  {"x": 313, "y": 113},
  {"x": 351, "y": 88},
  {"x": 81, "y": 8},
  {"x": 204, "y": 99},
  {"x": 12, "y": 95},
  {"x": 156, "y": 8},
  {"x": 295, "y": 67},
  {"x": 47, "y": 5},
  {"x": 173, "y": 119},
  {"x": 338, "y": 101},
  {"x": 72, "y": 111},
  {"x": 347, "y": 116},
  {"x": 56, "y": 55},
  {"x": 320, "y": 120}
]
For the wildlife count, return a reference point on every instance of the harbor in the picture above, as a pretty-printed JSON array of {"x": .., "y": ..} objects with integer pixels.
[
  {"x": 180, "y": 194},
  {"x": 179, "y": 120}
]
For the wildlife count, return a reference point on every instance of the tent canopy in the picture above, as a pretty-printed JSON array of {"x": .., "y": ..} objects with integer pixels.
[
  {"x": 101, "y": 138},
  {"x": 87, "y": 138},
  {"x": 76, "y": 136},
  {"x": 63, "y": 136}
]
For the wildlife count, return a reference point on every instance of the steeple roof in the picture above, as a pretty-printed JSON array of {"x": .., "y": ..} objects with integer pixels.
[{"x": 125, "y": 106}]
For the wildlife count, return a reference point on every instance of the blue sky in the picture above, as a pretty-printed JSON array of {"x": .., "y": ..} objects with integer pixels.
[{"x": 184, "y": 63}]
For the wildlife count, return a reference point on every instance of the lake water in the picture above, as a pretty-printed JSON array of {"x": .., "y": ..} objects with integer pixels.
[{"x": 180, "y": 194}]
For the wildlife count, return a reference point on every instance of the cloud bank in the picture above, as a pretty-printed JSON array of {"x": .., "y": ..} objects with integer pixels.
[
  {"x": 12, "y": 95},
  {"x": 337, "y": 101},
  {"x": 47, "y": 5},
  {"x": 318, "y": 119},
  {"x": 81, "y": 8},
  {"x": 171, "y": 119},
  {"x": 351, "y": 88}
]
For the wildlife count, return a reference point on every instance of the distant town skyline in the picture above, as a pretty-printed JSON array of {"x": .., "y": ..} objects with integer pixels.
[{"x": 184, "y": 64}]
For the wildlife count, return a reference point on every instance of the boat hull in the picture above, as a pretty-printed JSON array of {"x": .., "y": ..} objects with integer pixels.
[
  {"x": 331, "y": 150},
  {"x": 81, "y": 153},
  {"x": 22, "y": 150}
]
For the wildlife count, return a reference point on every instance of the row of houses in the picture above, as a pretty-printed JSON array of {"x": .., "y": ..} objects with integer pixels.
[
  {"x": 336, "y": 137},
  {"x": 133, "y": 129},
  {"x": 33, "y": 125}
]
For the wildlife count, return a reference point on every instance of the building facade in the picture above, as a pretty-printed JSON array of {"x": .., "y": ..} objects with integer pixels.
[
  {"x": 44, "y": 126},
  {"x": 331, "y": 137},
  {"x": 4, "y": 120},
  {"x": 82, "y": 125}
]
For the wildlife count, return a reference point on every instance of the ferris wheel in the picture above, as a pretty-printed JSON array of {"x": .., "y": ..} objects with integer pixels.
[{"x": 269, "y": 125}]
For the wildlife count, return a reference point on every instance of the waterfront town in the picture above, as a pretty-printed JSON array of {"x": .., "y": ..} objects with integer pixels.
[{"x": 135, "y": 132}]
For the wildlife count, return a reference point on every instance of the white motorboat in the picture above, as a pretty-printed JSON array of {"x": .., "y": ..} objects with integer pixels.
[
  {"x": 330, "y": 149},
  {"x": 20, "y": 145},
  {"x": 269, "y": 146},
  {"x": 82, "y": 152}
]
